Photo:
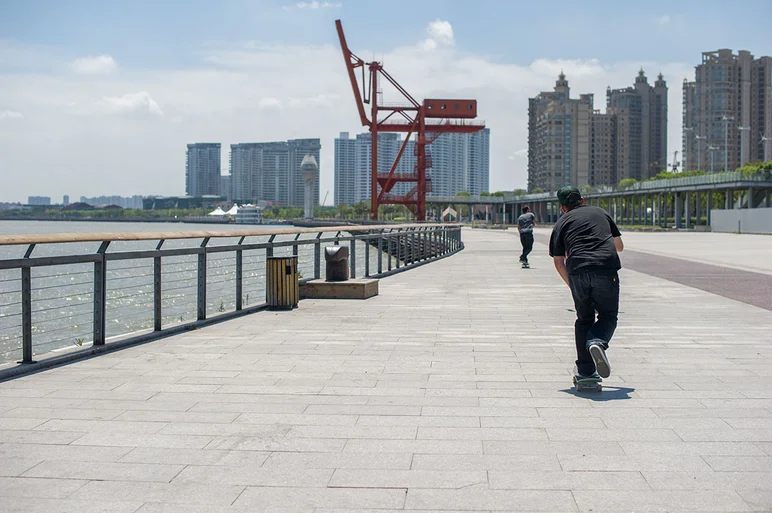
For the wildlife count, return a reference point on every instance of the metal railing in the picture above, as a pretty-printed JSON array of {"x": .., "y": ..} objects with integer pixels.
[{"x": 67, "y": 290}]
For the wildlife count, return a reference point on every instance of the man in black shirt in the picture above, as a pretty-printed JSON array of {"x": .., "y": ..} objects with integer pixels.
[
  {"x": 584, "y": 245},
  {"x": 525, "y": 224}
]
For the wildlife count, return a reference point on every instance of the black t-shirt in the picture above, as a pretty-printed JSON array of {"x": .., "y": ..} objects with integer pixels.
[{"x": 585, "y": 235}]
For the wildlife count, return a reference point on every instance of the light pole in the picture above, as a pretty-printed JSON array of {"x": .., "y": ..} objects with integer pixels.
[
  {"x": 711, "y": 149},
  {"x": 685, "y": 167},
  {"x": 726, "y": 120},
  {"x": 764, "y": 140},
  {"x": 699, "y": 153},
  {"x": 742, "y": 130}
]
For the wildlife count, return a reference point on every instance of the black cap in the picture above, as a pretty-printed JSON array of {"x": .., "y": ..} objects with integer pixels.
[{"x": 568, "y": 195}]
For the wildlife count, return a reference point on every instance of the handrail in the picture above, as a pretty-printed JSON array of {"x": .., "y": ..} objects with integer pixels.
[{"x": 15, "y": 240}]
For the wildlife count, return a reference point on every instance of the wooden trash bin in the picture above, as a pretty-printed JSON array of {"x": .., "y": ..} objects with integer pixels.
[{"x": 282, "y": 290}]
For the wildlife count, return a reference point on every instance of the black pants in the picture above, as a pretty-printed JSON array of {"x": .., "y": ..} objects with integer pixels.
[
  {"x": 526, "y": 239},
  {"x": 593, "y": 292}
]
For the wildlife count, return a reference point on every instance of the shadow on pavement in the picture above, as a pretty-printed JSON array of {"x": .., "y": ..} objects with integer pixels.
[{"x": 607, "y": 394}]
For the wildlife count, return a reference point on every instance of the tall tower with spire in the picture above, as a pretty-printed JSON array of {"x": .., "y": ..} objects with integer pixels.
[{"x": 643, "y": 134}]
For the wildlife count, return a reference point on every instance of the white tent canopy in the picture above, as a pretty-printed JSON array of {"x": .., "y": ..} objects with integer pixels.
[
  {"x": 217, "y": 212},
  {"x": 234, "y": 210}
]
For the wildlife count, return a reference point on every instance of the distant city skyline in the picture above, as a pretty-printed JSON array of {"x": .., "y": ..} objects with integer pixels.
[{"x": 112, "y": 109}]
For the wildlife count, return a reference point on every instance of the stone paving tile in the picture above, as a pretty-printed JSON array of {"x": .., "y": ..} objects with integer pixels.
[
  {"x": 298, "y": 499},
  {"x": 194, "y": 456},
  {"x": 559, "y": 480},
  {"x": 42, "y": 488},
  {"x": 104, "y": 471},
  {"x": 412, "y": 479},
  {"x": 600, "y": 501},
  {"x": 46, "y": 505},
  {"x": 483, "y": 499},
  {"x": 745, "y": 480},
  {"x": 298, "y": 460}
]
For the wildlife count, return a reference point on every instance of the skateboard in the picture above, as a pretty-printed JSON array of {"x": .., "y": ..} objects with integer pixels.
[
  {"x": 526, "y": 265},
  {"x": 592, "y": 383}
]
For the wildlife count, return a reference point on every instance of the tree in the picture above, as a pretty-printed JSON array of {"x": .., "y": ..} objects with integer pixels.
[
  {"x": 627, "y": 182},
  {"x": 485, "y": 193},
  {"x": 537, "y": 190},
  {"x": 499, "y": 194},
  {"x": 463, "y": 194},
  {"x": 519, "y": 192}
]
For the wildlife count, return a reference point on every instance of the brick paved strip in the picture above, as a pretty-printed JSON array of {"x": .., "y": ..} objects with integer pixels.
[{"x": 745, "y": 286}]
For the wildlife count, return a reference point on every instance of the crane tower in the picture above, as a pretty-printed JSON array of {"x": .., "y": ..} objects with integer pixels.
[{"x": 427, "y": 120}]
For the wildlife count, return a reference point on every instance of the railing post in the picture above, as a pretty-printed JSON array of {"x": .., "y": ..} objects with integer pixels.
[
  {"x": 26, "y": 315},
  {"x": 201, "y": 298},
  {"x": 157, "y": 291},
  {"x": 240, "y": 276},
  {"x": 367, "y": 258},
  {"x": 388, "y": 252},
  {"x": 353, "y": 262},
  {"x": 100, "y": 295},
  {"x": 269, "y": 249},
  {"x": 399, "y": 248},
  {"x": 380, "y": 252},
  {"x": 317, "y": 256}
]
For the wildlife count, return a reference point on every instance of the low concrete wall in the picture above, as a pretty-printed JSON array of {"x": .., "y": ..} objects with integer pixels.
[{"x": 745, "y": 220}]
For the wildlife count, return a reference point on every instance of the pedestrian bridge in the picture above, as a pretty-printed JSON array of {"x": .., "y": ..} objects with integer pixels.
[{"x": 448, "y": 391}]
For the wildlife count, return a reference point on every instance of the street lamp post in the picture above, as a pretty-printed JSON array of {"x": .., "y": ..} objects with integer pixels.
[
  {"x": 764, "y": 140},
  {"x": 726, "y": 120},
  {"x": 685, "y": 167},
  {"x": 711, "y": 149},
  {"x": 699, "y": 153},
  {"x": 742, "y": 130}
]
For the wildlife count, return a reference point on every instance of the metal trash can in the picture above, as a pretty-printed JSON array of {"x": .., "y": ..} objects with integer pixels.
[
  {"x": 282, "y": 290},
  {"x": 336, "y": 259}
]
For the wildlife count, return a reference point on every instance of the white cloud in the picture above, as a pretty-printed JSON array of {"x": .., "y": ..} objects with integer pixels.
[
  {"x": 260, "y": 92},
  {"x": 99, "y": 65},
  {"x": 269, "y": 103},
  {"x": 664, "y": 20},
  {"x": 130, "y": 103},
  {"x": 519, "y": 154},
  {"x": 440, "y": 34},
  {"x": 317, "y": 5},
  {"x": 10, "y": 114}
]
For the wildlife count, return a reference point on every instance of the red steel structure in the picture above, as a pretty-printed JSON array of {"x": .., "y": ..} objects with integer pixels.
[{"x": 427, "y": 120}]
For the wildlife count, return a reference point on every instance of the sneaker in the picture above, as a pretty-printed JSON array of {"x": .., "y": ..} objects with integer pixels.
[
  {"x": 602, "y": 364},
  {"x": 579, "y": 375}
]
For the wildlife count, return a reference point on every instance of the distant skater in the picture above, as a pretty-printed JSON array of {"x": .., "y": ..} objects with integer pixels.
[
  {"x": 525, "y": 224},
  {"x": 584, "y": 245}
]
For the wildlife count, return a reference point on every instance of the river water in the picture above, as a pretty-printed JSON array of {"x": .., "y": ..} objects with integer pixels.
[{"x": 62, "y": 296}]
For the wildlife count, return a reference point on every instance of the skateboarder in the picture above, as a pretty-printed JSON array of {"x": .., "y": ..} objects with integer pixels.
[
  {"x": 525, "y": 224},
  {"x": 584, "y": 245}
]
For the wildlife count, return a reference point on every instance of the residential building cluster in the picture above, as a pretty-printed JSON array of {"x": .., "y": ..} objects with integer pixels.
[
  {"x": 727, "y": 111},
  {"x": 572, "y": 143},
  {"x": 726, "y": 116},
  {"x": 259, "y": 172},
  {"x": 121, "y": 201},
  {"x": 459, "y": 163}
]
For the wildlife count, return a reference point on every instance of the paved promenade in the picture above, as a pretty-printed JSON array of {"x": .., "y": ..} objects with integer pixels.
[{"x": 448, "y": 392}]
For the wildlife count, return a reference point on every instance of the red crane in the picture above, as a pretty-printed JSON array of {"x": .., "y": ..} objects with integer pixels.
[{"x": 427, "y": 120}]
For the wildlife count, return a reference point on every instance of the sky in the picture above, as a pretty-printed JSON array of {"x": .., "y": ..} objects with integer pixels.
[{"x": 100, "y": 97}]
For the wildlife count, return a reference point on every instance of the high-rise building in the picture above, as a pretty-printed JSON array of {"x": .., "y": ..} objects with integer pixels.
[
  {"x": 727, "y": 111},
  {"x": 645, "y": 130},
  {"x": 558, "y": 138},
  {"x": 271, "y": 171},
  {"x": 66, "y": 200},
  {"x": 225, "y": 186},
  {"x": 459, "y": 162},
  {"x": 39, "y": 200},
  {"x": 202, "y": 169},
  {"x": 570, "y": 143},
  {"x": 353, "y": 170},
  {"x": 123, "y": 202}
]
